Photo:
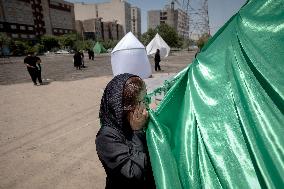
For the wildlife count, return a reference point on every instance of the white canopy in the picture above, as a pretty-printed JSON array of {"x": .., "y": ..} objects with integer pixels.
[
  {"x": 158, "y": 43},
  {"x": 129, "y": 56}
]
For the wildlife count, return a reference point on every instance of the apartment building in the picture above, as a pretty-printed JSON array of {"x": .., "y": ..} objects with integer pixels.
[
  {"x": 176, "y": 18},
  {"x": 31, "y": 18}
]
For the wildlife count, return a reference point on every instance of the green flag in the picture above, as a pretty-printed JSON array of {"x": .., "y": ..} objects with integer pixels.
[{"x": 221, "y": 124}]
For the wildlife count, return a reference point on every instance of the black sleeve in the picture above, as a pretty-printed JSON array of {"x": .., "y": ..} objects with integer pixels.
[
  {"x": 26, "y": 60},
  {"x": 127, "y": 157}
]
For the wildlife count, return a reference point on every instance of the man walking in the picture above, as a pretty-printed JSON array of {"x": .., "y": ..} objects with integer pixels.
[{"x": 31, "y": 63}]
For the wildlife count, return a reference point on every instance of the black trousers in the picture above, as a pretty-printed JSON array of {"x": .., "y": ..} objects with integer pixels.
[
  {"x": 35, "y": 75},
  {"x": 157, "y": 66}
]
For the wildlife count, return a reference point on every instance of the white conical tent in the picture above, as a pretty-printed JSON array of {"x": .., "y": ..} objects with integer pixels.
[
  {"x": 129, "y": 56},
  {"x": 158, "y": 43}
]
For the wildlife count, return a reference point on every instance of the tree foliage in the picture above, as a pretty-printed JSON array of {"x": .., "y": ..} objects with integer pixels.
[
  {"x": 148, "y": 36},
  {"x": 202, "y": 40},
  {"x": 49, "y": 42},
  {"x": 166, "y": 32},
  {"x": 4, "y": 40},
  {"x": 71, "y": 41},
  {"x": 109, "y": 44}
]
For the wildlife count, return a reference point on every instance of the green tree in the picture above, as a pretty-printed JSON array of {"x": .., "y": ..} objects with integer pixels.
[
  {"x": 166, "y": 32},
  {"x": 4, "y": 40},
  {"x": 148, "y": 36},
  {"x": 89, "y": 44},
  {"x": 169, "y": 35},
  {"x": 67, "y": 41},
  {"x": 202, "y": 40},
  {"x": 20, "y": 48},
  {"x": 109, "y": 44},
  {"x": 49, "y": 42},
  {"x": 39, "y": 48}
]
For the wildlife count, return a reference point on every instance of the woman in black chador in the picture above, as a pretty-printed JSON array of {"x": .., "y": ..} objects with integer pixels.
[
  {"x": 157, "y": 60},
  {"x": 121, "y": 140}
]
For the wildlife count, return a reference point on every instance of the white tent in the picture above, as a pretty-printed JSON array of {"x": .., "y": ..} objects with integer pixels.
[
  {"x": 129, "y": 56},
  {"x": 158, "y": 43}
]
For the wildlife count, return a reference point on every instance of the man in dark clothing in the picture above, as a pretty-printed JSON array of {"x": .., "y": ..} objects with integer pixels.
[
  {"x": 121, "y": 141},
  {"x": 38, "y": 65},
  {"x": 82, "y": 59},
  {"x": 31, "y": 63},
  {"x": 89, "y": 53},
  {"x": 77, "y": 60},
  {"x": 157, "y": 61},
  {"x": 92, "y": 55}
]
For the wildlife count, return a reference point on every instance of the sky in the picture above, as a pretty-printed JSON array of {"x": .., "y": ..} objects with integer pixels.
[{"x": 219, "y": 10}]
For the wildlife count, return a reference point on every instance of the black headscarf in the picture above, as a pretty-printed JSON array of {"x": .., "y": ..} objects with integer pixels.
[
  {"x": 111, "y": 110},
  {"x": 123, "y": 153}
]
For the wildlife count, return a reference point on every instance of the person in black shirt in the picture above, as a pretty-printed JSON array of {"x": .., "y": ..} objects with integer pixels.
[
  {"x": 82, "y": 59},
  {"x": 31, "y": 63},
  {"x": 77, "y": 60},
  {"x": 38, "y": 65},
  {"x": 121, "y": 141},
  {"x": 157, "y": 61}
]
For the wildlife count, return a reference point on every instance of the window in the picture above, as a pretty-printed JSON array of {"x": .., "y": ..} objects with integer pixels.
[
  {"x": 13, "y": 27},
  {"x": 24, "y": 36},
  {"x": 22, "y": 27},
  {"x": 30, "y": 28},
  {"x": 14, "y": 35},
  {"x": 1, "y": 26}
]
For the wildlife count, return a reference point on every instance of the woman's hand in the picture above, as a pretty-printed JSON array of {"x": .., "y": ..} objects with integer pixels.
[{"x": 138, "y": 118}]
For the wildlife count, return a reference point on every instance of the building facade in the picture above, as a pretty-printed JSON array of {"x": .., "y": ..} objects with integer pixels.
[
  {"x": 176, "y": 18},
  {"x": 136, "y": 21},
  {"x": 116, "y": 11},
  {"x": 30, "y": 18},
  {"x": 97, "y": 30}
]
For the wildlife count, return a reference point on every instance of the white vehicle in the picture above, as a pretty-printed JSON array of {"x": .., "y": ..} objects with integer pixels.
[{"x": 62, "y": 52}]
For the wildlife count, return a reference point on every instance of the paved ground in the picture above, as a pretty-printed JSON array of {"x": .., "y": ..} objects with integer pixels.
[
  {"x": 60, "y": 67},
  {"x": 47, "y": 133}
]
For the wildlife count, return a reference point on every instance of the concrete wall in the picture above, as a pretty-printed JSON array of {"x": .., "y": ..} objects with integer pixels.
[
  {"x": 84, "y": 11},
  {"x": 136, "y": 21},
  {"x": 2, "y": 15},
  {"x": 177, "y": 19},
  {"x": 36, "y": 17},
  {"x": 18, "y": 12},
  {"x": 114, "y": 11},
  {"x": 61, "y": 19},
  {"x": 153, "y": 19},
  {"x": 46, "y": 16}
]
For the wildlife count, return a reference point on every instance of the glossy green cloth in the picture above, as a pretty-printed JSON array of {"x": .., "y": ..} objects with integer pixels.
[
  {"x": 221, "y": 124},
  {"x": 99, "y": 48}
]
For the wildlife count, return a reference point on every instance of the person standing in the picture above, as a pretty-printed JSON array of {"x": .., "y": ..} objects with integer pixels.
[
  {"x": 82, "y": 59},
  {"x": 157, "y": 61},
  {"x": 92, "y": 54},
  {"x": 31, "y": 63},
  {"x": 121, "y": 141},
  {"x": 38, "y": 65},
  {"x": 77, "y": 60}
]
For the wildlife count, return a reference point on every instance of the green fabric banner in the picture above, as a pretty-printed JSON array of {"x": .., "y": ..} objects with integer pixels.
[
  {"x": 221, "y": 124},
  {"x": 99, "y": 48}
]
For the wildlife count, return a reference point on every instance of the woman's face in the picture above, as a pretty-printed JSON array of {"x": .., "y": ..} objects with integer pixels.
[
  {"x": 139, "y": 116},
  {"x": 141, "y": 98}
]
